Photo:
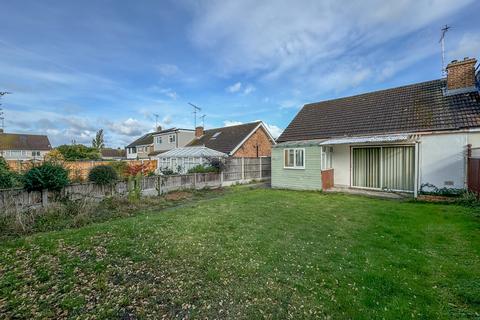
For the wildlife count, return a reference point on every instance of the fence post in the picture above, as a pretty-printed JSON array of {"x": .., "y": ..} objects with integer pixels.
[
  {"x": 44, "y": 198},
  {"x": 221, "y": 178},
  {"x": 194, "y": 180},
  {"x": 243, "y": 168},
  {"x": 260, "y": 164}
]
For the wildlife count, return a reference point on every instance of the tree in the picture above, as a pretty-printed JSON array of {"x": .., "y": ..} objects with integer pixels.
[
  {"x": 78, "y": 152},
  {"x": 55, "y": 156},
  {"x": 98, "y": 142}
]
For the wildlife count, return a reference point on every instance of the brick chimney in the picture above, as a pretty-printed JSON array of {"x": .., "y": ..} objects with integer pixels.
[
  {"x": 198, "y": 132},
  {"x": 461, "y": 74},
  {"x": 159, "y": 128}
]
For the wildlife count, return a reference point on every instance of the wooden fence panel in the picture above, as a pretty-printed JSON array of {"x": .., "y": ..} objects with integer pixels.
[
  {"x": 473, "y": 175},
  {"x": 236, "y": 170}
]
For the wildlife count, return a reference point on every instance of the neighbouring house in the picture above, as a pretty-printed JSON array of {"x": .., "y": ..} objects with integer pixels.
[
  {"x": 113, "y": 154},
  {"x": 140, "y": 148},
  {"x": 14, "y": 146},
  {"x": 244, "y": 140},
  {"x": 182, "y": 159},
  {"x": 154, "y": 143},
  {"x": 399, "y": 139}
]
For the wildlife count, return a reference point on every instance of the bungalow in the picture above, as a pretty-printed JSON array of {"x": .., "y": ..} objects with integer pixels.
[
  {"x": 23, "y": 146},
  {"x": 399, "y": 139}
]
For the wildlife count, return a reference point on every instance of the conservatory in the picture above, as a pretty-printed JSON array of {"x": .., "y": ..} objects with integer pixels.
[{"x": 180, "y": 160}]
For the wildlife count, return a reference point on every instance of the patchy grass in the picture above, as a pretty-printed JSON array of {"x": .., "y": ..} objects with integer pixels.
[
  {"x": 253, "y": 254},
  {"x": 68, "y": 214}
]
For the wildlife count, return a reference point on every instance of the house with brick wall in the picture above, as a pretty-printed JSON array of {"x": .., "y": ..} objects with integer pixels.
[
  {"x": 244, "y": 140},
  {"x": 405, "y": 139}
]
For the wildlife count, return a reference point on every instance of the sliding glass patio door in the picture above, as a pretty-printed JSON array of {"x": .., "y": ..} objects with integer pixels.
[
  {"x": 388, "y": 168},
  {"x": 366, "y": 168}
]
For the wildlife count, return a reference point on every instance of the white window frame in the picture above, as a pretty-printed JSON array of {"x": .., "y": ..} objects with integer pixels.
[
  {"x": 326, "y": 158},
  {"x": 171, "y": 138},
  {"x": 295, "y": 167},
  {"x": 159, "y": 140}
]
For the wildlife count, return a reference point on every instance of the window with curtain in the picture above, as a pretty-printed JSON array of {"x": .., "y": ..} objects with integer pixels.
[{"x": 294, "y": 158}]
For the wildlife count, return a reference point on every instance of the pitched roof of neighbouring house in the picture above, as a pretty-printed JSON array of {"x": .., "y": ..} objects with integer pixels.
[
  {"x": 225, "y": 139},
  {"x": 14, "y": 141},
  {"x": 113, "y": 153},
  {"x": 146, "y": 139},
  {"x": 412, "y": 108}
]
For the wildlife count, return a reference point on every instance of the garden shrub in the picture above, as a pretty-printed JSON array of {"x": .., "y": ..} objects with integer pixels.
[
  {"x": 218, "y": 164},
  {"x": 167, "y": 171},
  {"x": 430, "y": 189},
  {"x": 103, "y": 175},
  {"x": 48, "y": 176},
  {"x": 202, "y": 169},
  {"x": 7, "y": 177},
  {"x": 121, "y": 167}
]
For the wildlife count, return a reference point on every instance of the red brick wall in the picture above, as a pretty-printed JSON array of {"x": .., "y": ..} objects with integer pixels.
[
  {"x": 461, "y": 74},
  {"x": 249, "y": 148},
  {"x": 327, "y": 179}
]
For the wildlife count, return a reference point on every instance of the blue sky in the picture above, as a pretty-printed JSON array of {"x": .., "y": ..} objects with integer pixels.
[{"x": 77, "y": 66}]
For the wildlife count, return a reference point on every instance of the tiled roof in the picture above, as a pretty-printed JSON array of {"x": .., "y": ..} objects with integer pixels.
[
  {"x": 113, "y": 153},
  {"x": 224, "y": 139},
  {"x": 13, "y": 141},
  {"x": 146, "y": 139},
  {"x": 413, "y": 108}
]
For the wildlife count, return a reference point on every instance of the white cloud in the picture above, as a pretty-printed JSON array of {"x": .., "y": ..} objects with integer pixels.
[
  {"x": 169, "y": 93},
  {"x": 274, "y": 130},
  {"x": 130, "y": 127},
  {"x": 229, "y": 123},
  {"x": 248, "y": 89},
  {"x": 311, "y": 39},
  {"x": 468, "y": 46},
  {"x": 234, "y": 87},
  {"x": 167, "y": 120},
  {"x": 168, "y": 70}
]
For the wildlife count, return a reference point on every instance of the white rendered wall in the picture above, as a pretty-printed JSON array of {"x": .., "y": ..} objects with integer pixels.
[
  {"x": 341, "y": 165},
  {"x": 442, "y": 160}
]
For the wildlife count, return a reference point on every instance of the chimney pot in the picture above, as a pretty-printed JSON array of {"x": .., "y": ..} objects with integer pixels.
[
  {"x": 198, "y": 132},
  {"x": 461, "y": 74}
]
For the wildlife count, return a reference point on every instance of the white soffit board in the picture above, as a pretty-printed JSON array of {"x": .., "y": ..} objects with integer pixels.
[{"x": 368, "y": 139}]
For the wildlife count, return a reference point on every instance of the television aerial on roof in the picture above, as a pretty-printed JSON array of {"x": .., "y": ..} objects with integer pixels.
[{"x": 442, "y": 42}]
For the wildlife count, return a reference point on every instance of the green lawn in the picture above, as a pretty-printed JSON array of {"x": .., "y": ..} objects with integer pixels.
[{"x": 252, "y": 254}]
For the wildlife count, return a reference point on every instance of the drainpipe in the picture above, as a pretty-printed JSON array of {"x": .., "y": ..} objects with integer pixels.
[{"x": 417, "y": 163}]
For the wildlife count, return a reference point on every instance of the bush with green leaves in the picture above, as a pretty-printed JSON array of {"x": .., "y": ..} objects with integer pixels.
[
  {"x": 48, "y": 176},
  {"x": 121, "y": 167},
  {"x": 7, "y": 177},
  {"x": 202, "y": 169},
  {"x": 103, "y": 175},
  {"x": 78, "y": 152}
]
